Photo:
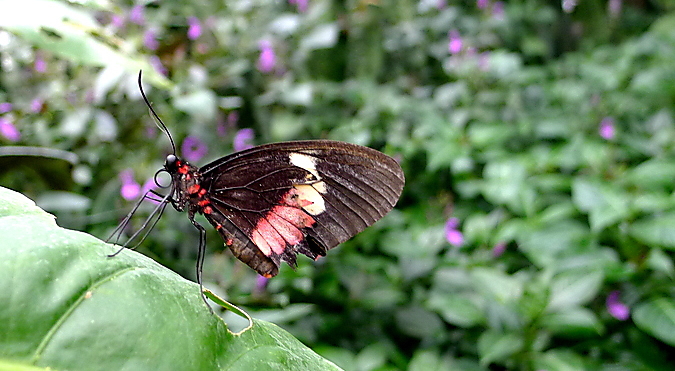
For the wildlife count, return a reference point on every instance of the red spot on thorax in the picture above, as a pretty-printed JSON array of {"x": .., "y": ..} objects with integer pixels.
[
  {"x": 207, "y": 210},
  {"x": 193, "y": 189},
  {"x": 202, "y": 191},
  {"x": 267, "y": 275},
  {"x": 183, "y": 169},
  {"x": 203, "y": 202}
]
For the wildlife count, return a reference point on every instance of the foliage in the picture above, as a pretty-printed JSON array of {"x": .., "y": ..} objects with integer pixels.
[
  {"x": 547, "y": 133},
  {"x": 68, "y": 305}
]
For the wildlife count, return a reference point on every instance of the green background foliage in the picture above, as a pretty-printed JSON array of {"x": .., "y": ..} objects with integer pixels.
[{"x": 503, "y": 134}]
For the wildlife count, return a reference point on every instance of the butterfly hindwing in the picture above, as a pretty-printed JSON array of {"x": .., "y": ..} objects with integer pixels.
[{"x": 274, "y": 201}]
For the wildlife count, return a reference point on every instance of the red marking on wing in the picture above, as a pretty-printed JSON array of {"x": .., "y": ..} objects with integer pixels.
[
  {"x": 203, "y": 202},
  {"x": 282, "y": 225},
  {"x": 274, "y": 240},
  {"x": 202, "y": 191},
  {"x": 288, "y": 231},
  {"x": 291, "y": 198},
  {"x": 294, "y": 215},
  {"x": 207, "y": 210}
]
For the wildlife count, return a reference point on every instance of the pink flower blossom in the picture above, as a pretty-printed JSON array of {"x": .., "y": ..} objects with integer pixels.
[
  {"x": 194, "y": 149},
  {"x": 39, "y": 65},
  {"x": 607, "y": 129},
  {"x": 455, "y": 44},
  {"x": 616, "y": 308},
  {"x": 301, "y": 4},
  {"x": 130, "y": 188},
  {"x": 5, "y": 107},
  {"x": 194, "y": 28},
  {"x": 150, "y": 39},
  {"x": 137, "y": 14},
  {"x": 267, "y": 58},
  {"x": 498, "y": 249},
  {"x": 8, "y": 130},
  {"x": 452, "y": 234},
  {"x": 242, "y": 139},
  {"x": 36, "y": 105},
  {"x": 156, "y": 63}
]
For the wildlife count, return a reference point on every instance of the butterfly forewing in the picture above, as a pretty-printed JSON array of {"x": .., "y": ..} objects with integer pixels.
[{"x": 274, "y": 201}]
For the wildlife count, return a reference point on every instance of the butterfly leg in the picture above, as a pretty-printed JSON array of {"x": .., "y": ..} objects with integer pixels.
[
  {"x": 153, "y": 218},
  {"x": 201, "y": 252}
]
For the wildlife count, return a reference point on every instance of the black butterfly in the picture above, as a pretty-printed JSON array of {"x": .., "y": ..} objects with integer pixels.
[{"x": 273, "y": 201}]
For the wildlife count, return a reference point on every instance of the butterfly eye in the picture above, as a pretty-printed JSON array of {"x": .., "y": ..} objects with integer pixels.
[{"x": 171, "y": 162}]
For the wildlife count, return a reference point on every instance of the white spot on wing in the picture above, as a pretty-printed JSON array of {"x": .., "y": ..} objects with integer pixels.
[
  {"x": 307, "y": 192},
  {"x": 304, "y": 162}
]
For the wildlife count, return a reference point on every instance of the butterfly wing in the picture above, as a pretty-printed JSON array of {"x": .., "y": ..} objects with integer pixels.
[{"x": 271, "y": 202}]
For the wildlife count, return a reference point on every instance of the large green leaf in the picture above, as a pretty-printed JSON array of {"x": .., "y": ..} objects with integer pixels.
[
  {"x": 657, "y": 317},
  {"x": 67, "y": 305}
]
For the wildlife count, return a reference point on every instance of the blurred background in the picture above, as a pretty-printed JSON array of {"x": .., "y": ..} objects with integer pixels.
[{"x": 537, "y": 227}]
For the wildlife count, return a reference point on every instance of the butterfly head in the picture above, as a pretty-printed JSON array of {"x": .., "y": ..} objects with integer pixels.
[{"x": 172, "y": 164}]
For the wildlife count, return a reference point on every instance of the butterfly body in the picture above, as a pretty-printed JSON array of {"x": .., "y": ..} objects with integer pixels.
[{"x": 272, "y": 202}]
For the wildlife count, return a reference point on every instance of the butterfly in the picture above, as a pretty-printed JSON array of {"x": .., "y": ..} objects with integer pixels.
[{"x": 272, "y": 202}]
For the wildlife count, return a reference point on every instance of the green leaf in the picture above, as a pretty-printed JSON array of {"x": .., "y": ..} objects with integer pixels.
[
  {"x": 497, "y": 346},
  {"x": 657, "y": 317},
  {"x": 653, "y": 174},
  {"x": 573, "y": 288},
  {"x": 67, "y": 305},
  {"x": 456, "y": 309},
  {"x": 498, "y": 285},
  {"x": 560, "y": 360},
  {"x": 574, "y": 322},
  {"x": 658, "y": 230},
  {"x": 605, "y": 205}
]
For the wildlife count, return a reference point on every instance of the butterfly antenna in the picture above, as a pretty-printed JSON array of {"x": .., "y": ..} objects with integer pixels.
[{"x": 158, "y": 121}]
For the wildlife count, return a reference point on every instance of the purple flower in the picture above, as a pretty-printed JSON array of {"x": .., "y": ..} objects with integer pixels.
[
  {"x": 607, "y": 129},
  {"x": 267, "y": 59},
  {"x": 569, "y": 5},
  {"x": 261, "y": 283},
  {"x": 616, "y": 308},
  {"x": 452, "y": 234},
  {"x": 39, "y": 65},
  {"x": 130, "y": 189},
  {"x": 8, "y": 130},
  {"x": 193, "y": 149},
  {"x": 5, "y": 107},
  {"x": 242, "y": 139},
  {"x": 301, "y": 4},
  {"x": 137, "y": 14},
  {"x": 482, "y": 4},
  {"x": 455, "y": 44},
  {"x": 150, "y": 40},
  {"x": 498, "y": 10},
  {"x": 441, "y": 4},
  {"x": 498, "y": 249},
  {"x": 614, "y": 8},
  {"x": 194, "y": 28},
  {"x": 36, "y": 105},
  {"x": 156, "y": 63},
  {"x": 117, "y": 21}
]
